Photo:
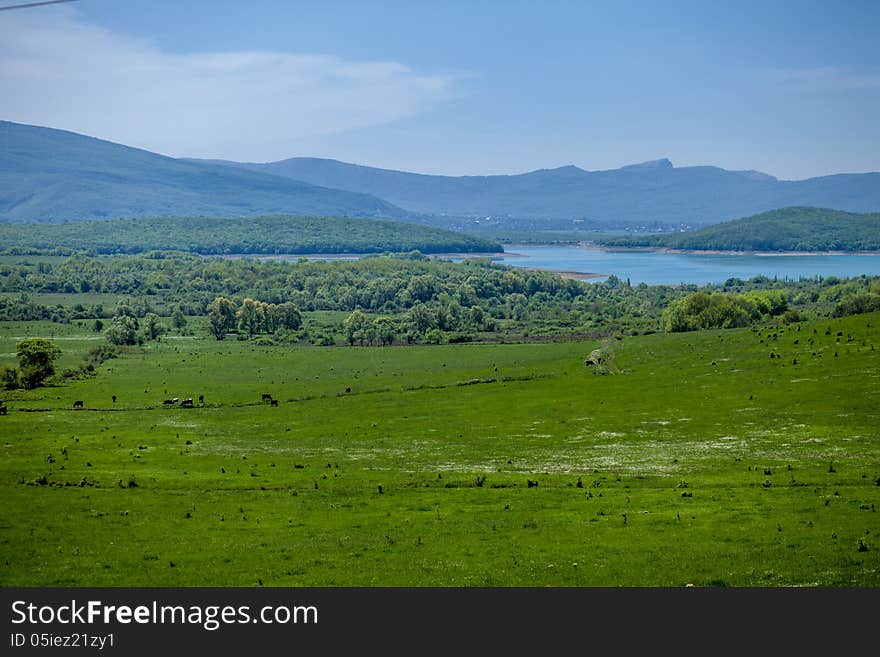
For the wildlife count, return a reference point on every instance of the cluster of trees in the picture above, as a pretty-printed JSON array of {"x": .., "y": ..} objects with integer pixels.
[
  {"x": 418, "y": 299},
  {"x": 421, "y": 323},
  {"x": 126, "y": 328},
  {"x": 858, "y": 299},
  {"x": 704, "y": 310},
  {"x": 252, "y": 317}
]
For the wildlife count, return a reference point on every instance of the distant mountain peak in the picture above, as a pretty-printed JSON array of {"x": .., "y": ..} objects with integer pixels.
[{"x": 663, "y": 163}]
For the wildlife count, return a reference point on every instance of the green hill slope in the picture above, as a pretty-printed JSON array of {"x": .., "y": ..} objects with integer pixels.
[
  {"x": 786, "y": 229},
  {"x": 54, "y": 175},
  {"x": 246, "y": 235}
]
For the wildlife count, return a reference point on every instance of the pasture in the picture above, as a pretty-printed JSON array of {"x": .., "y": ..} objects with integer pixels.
[{"x": 701, "y": 460}]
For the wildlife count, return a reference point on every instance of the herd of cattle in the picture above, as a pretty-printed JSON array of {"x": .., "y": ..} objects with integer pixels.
[
  {"x": 187, "y": 402},
  {"x": 174, "y": 401}
]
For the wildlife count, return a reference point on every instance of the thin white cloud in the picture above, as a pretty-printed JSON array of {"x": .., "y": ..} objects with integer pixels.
[
  {"x": 825, "y": 78},
  {"x": 56, "y": 70}
]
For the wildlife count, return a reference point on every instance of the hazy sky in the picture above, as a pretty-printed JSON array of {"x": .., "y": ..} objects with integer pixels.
[{"x": 789, "y": 88}]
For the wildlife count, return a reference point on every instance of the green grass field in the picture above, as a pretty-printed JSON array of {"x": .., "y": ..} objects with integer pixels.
[{"x": 701, "y": 460}]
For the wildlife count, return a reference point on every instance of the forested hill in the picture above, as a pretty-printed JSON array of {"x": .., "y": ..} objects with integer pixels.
[
  {"x": 786, "y": 229},
  {"x": 242, "y": 235},
  {"x": 55, "y": 175}
]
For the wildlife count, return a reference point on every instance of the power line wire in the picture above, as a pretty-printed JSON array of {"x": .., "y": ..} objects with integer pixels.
[{"x": 35, "y": 4}]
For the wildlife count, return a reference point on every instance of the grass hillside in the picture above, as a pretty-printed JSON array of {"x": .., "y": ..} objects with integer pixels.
[
  {"x": 786, "y": 229},
  {"x": 246, "y": 235},
  {"x": 701, "y": 461},
  {"x": 54, "y": 175}
]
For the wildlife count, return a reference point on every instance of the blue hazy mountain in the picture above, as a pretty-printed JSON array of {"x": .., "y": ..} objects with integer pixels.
[
  {"x": 650, "y": 192},
  {"x": 55, "y": 175}
]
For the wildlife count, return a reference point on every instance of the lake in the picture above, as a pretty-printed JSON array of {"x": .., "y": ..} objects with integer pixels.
[{"x": 660, "y": 268}]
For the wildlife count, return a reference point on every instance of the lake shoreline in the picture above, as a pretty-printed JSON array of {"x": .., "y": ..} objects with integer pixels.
[
  {"x": 662, "y": 249},
  {"x": 661, "y": 266},
  {"x": 590, "y": 262}
]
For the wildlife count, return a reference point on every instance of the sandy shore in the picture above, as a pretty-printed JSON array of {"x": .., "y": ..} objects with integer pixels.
[{"x": 576, "y": 275}]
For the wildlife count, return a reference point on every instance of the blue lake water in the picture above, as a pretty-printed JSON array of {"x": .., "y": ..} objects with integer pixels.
[{"x": 658, "y": 268}]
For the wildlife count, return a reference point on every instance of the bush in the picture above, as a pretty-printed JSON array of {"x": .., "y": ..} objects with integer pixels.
[
  {"x": 434, "y": 336},
  {"x": 856, "y": 304},
  {"x": 99, "y": 354},
  {"x": 10, "y": 378},
  {"x": 704, "y": 310}
]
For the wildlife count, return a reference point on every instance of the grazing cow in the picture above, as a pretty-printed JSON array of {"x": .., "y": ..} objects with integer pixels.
[
  {"x": 348, "y": 389},
  {"x": 274, "y": 402},
  {"x": 266, "y": 397},
  {"x": 169, "y": 402},
  {"x": 114, "y": 399},
  {"x": 2, "y": 408},
  {"x": 79, "y": 404},
  {"x": 187, "y": 403},
  {"x": 201, "y": 399}
]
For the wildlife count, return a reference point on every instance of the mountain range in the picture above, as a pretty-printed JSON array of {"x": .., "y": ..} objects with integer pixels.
[
  {"x": 651, "y": 192},
  {"x": 54, "y": 175}
]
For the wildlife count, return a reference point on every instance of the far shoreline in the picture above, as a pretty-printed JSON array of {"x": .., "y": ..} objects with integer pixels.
[{"x": 592, "y": 246}]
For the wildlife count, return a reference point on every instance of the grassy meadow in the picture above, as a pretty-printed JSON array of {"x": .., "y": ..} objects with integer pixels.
[{"x": 700, "y": 460}]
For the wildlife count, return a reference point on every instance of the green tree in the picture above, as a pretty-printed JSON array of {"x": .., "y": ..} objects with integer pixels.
[
  {"x": 675, "y": 318},
  {"x": 152, "y": 327},
  {"x": 221, "y": 314},
  {"x": 9, "y": 378},
  {"x": 123, "y": 330},
  {"x": 271, "y": 320},
  {"x": 178, "y": 320},
  {"x": 477, "y": 317},
  {"x": 354, "y": 327},
  {"x": 250, "y": 317},
  {"x": 36, "y": 361},
  {"x": 420, "y": 318},
  {"x": 434, "y": 336},
  {"x": 384, "y": 330},
  {"x": 289, "y": 316}
]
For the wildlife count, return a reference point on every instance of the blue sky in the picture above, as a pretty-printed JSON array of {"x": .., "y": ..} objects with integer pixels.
[{"x": 789, "y": 88}]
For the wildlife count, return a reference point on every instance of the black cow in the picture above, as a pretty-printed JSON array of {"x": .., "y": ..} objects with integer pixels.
[
  {"x": 274, "y": 402},
  {"x": 266, "y": 397},
  {"x": 201, "y": 399},
  {"x": 79, "y": 404},
  {"x": 114, "y": 399},
  {"x": 187, "y": 403}
]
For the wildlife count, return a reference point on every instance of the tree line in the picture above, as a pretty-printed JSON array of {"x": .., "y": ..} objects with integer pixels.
[{"x": 409, "y": 298}]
